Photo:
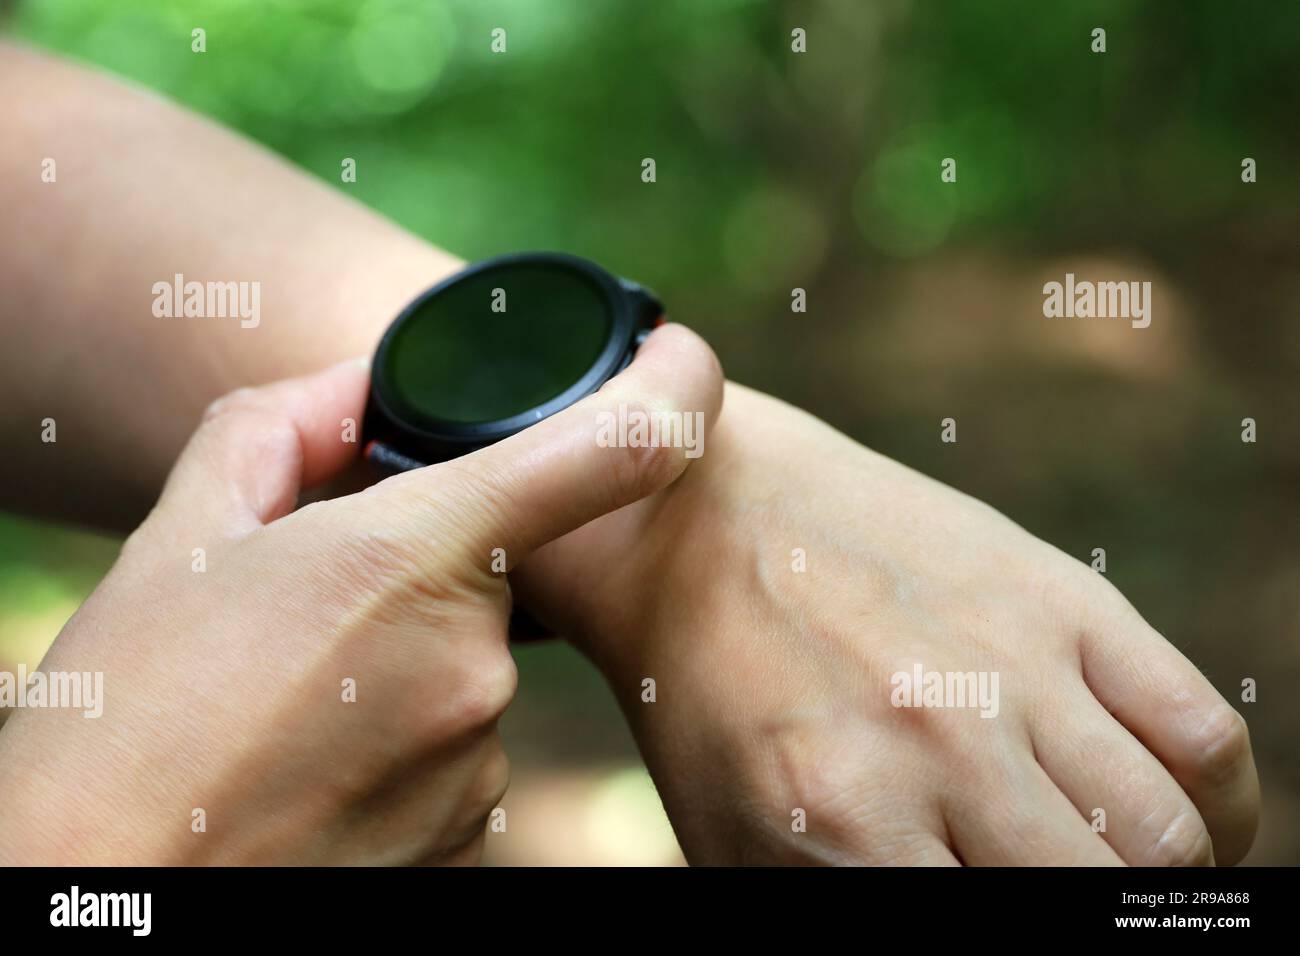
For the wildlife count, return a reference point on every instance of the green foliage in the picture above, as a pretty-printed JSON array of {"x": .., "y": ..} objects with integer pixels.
[{"x": 540, "y": 146}]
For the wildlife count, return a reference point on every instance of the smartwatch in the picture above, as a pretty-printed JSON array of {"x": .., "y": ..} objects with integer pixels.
[{"x": 495, "y": 348}]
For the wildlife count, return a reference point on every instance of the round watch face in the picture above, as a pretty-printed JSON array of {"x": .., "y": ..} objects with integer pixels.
[{"x": 496, "y": 342}]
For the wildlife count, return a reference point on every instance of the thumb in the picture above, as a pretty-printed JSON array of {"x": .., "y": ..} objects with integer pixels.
[{"x": 568, "y": 469}]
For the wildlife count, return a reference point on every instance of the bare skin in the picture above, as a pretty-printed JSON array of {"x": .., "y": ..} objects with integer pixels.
[
  {"x": 326, "y": 689},
  {"x": 144, "y": 191},
  {"x": 774, "y": 685}
]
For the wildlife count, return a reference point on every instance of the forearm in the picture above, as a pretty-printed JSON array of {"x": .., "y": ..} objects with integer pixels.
[{"x": 144, "y": 191}]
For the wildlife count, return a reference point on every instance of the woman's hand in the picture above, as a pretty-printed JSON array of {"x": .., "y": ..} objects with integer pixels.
[
  {"x": 775, "y": 687},
  {"x": 320, "y": 685}
]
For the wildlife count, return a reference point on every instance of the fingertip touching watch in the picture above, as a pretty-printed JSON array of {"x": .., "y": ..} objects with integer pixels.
[{"x": 495, "y": 348}]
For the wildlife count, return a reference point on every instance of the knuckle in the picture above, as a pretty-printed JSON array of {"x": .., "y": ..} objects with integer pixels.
[
  {"x": 493, "y": 779},
  {"x": 636, "y": 471},
  {"x": 245, "y": 413},
  {"x": 483, "y": 689},
  {"x": 1220, "y": 745},
  {"x": 810, "y": 777},
  {"x": 1184, "y": 841},
  {"x": 240, "y": 399},
  {"x": 461, "y": 704},
  {"x": 482, "y": 794}
]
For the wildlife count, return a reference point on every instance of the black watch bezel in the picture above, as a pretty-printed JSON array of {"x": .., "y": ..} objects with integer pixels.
[{"x": 417, "y": 439}]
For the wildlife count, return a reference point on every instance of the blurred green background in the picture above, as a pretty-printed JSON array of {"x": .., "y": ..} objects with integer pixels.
[{"x": 820, "y": 170}]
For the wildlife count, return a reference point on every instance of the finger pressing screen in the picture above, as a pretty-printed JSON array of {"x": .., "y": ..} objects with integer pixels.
[{"x": 627, "y": 441}]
